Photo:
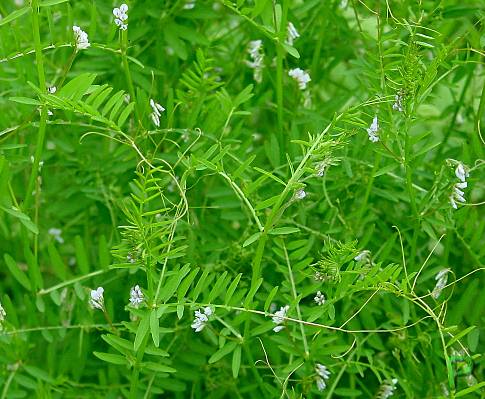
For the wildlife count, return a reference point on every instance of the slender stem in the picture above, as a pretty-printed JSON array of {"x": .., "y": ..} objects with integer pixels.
[
  {"x": 43, "y": 113},
  {"x": 297, "y": 303},
  {"x": 275, "y": 211}
]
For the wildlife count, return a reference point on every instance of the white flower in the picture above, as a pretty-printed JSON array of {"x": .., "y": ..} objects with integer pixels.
[
  {"x": 300, "y": 76},
  {"x": 121, "y": 16},
  {"x": 279, "y": 318},
  {"x": 136, "y": 296},
  {"x": 397, "y": 106},
  {"x": 82, "y": 41},
  {"x": 319, "y": 298},
  {"x": 387, "y": 389},
  {"x": 441, "y": 279},
  {"x": 189, "y": 5},
  {"x": 292, "y": 34},
  {"x": 157, "y": 112},
  {"x": 363, "y": 256},
  {"x": 373, "y": 129},
  {"x": 3, "y": 315},
  {"x": 300, "y": 194},
  {"x": 52, "y": 89},
  {"x": 322, "y": 375},
  {"x": 56, "y": 233},
  {"x": 97, "y": 298},
  {"x": 457, "y": 194},
  {"x": 461, "y": 172},
  {"x": 201, "y": 319},
  {"x": 255, "y": 50}
]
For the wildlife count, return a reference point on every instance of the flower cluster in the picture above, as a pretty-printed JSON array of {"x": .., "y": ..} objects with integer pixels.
[
  {"x": 255, "y": 50},
  {"x": 322, "y": 376},
  {"x": 56, "y": 233},
  {"x": 441, "y": 279},
  {"x": 302, "y": 77},
  {"x": 201, "y": 319},
  {"x": 81, "y": 37},
  {"x": 136, "y": 296},
  {"x": 319, "y": 298},
  {"x": 373, "y": 129},
  {"x": 457, "y": 194},
  {"x": 299, "y": 194},
  {"x": 279, "y": 318},
  {"x": 121, "y": 16},
  {"x": 387, "y": 389},
  {"x": 157, "y": 112},
  {"x": 97, "y": 298},
  {"x": 292, "y": 34},
  {"x": 397, "y": 106}
]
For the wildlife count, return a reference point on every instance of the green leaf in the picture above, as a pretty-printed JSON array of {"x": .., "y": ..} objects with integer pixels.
[
  {"x": 270, "y": 297},
  {"x": 24, "y": 219},
  {"x": 142, "y": 331},
  {"x": 155, "y": 327},
  {"x": 159, "y": 368},
  {"x": 110, "y": 357},
  {"x": 460, "y": 335},
  {"x": 19, "y": 275},
  {"x": 81, "y": 255},
  {"x": 466, "y": 391},
  {"x": 284, "y": 230},
  {"x": 47, "y": 3},
  {"x": 225, "y": 350},
  {"x": 232, "y": 288},
  {"x": 14, "y": 15},
  {"x": 291, "y": 50},
  {"x": 236, "y": 361},
  {"x": 252, "y": 239},
  {"x": 25, "y": 100}
]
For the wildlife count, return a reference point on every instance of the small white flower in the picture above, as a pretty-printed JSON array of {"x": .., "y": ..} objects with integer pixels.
[
  {"x": 136, "y": 296},
  {"x": 292, "y": 34},
  {"x": 189, "y": 5},
  {"x": 255, "y": 50},
  {"x": 441, "y": 279},
  {"x": 302, "y": 77},
  {"x": 81, "y": 37},
  {"x": 300, "y": 194},
  {"x": 322, "y": 375},
  {"x": 97, "y": 298},
  {"x": 52, "y": 89},
  {"x": 3, "y": 315},
  {"x": 363, "y": 256},
  {"x": 387, "y": 389},
  {"x": 279, "y": 318},
  {"x": 373, "y": 129},
  {"x": 457, "y": 194},
  {"x": 461, "y": 172},
  {"x": 121, "y": 16},
  {"x": 157, "y": 112},
  {"x": 397, "y": 106},
  {"x": 56, "y": 233},
  {"x": 201, "y": 319},
  {"x": 319, "y": 298}
]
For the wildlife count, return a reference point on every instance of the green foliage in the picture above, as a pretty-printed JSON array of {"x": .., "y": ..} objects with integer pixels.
[{"x": 249, "y": 238}]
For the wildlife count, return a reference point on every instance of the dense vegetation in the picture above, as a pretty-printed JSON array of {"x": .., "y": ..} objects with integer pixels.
[{"x": 248, "y": 199}]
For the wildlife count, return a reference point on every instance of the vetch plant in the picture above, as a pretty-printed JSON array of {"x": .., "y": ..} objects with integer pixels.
[{"x": 250, "y": 186}]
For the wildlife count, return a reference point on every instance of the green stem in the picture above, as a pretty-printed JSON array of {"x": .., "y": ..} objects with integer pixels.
[
  {"x": 275, "y": 211},
  {"x": 43, "y": 113}
]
